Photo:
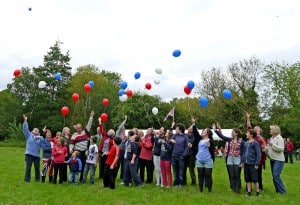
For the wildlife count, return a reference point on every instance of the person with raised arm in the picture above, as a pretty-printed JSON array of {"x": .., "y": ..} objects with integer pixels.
[
  {"x": 106, "y": 143},
  {"x": 234, "y": 154},
  {"x": 80, "y": 141},
  {"x": 262, "y": 143},
  {"x": 32, "y": 152},
  {"x": 205, "y": 156}
]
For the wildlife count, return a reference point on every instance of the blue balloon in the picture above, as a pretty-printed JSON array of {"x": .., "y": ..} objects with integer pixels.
[
  {"x": 123, "y": 85},
  {"x": 227, "y": 94},
  {"x": 191, "y": 84},
  {"x": 57, "y": 76},
  {"x": 91, "y": 83},
  {"x": 29, "y": 9},
  {"x": 137, "y": 75},
  {"x": 121, "y": 92},
  {"x": 176, "y": 53},
  {"x": 203, "y": 101}
]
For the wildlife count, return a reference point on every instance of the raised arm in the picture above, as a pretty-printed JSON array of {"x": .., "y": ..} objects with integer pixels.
[
  {"x": 218, "y": 131},
  {"x": 121, "y": 126},
  {"x": 25, "y": 128},
  {"x": 90, "y": 122},
  {"x": 248, "y": 115}
]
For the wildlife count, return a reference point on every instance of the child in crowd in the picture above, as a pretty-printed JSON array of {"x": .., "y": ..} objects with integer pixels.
[
  {"x": 91, "y": 162},
  {"x": 165, "y": 159},
  {"x": 75, "y": 166},
  {"x": 131, "y": 160},
  {"x": 111, "y": 166},
  {"x": 250, "y": 161},
  {"x": 47, "y": 146},
  {"x": 59, "y": 153}
]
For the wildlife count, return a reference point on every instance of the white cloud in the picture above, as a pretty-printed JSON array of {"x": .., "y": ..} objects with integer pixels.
[{"x": 133, "y": 35}]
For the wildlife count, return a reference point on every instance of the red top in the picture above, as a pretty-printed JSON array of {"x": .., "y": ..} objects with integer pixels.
[
  {"x": 113, "y": 152},
  {"x": 146, "y": 145},
  {"x": 290, "y": 146},
  {"x": 104, "y": 137},
  {"x": 59, "y": 153}
]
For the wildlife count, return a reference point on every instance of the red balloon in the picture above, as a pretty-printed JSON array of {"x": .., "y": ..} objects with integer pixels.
[
  {"x": 105, "y": 102},
  {"x": 187, "y": 90},
  {"x": 129, "y": 93},
  {"x": 64, "y": 111},
  {"x": 148, "y": 86},
  {"x": 75, "y": 97},
  {"x": 87, "y": 87},
  {"x": 17, "y": 72},
  {"x": 104, "y": 117}
]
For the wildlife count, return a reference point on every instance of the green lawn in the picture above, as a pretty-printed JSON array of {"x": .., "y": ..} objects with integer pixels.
[{"x": 14, "y": 191}]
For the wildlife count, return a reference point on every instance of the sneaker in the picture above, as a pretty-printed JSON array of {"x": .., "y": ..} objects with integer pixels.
[{"x": 141, "y": 185}]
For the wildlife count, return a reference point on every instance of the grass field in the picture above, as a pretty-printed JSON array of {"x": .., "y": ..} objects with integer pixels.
[{"x": 14, "y": 191}]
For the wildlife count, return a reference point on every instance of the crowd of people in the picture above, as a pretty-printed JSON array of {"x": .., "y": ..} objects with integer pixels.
[{"x": 168, "y": 153}]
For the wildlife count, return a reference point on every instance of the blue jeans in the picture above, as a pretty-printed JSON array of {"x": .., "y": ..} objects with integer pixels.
[
  {"x": 89, "y": 167},
  {"x": 29, "y": 159},
  {"x": 73, "y": 177},
  {"x": 178, "y": 165},
  {"x": 131, "y": 170},
  {"x": 276, "y": 169}
]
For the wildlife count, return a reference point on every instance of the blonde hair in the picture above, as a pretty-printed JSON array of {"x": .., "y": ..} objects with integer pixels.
[{"x": 275, "y": 128}]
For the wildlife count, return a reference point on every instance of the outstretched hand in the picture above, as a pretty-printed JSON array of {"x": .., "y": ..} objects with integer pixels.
[
  {"x": 25, "y": 117},
  {"x": 193, "y": 119},
  {"x": 248, "y": 115},
  {"x": 92, "y": 114}
]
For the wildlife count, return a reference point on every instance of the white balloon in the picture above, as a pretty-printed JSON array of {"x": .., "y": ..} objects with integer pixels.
[
  {"x": 156, "y": 81},
  {"x": 158, "y": 70},
  {"x": 123, "y": 98},
  {"x": 42, "y": 84},
  {"x": 154, "y": 110}
]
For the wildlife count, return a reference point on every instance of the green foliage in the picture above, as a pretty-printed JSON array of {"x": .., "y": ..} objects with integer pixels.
[
  {"x": 10, "y": 109},
  {"x": 15, "y": 131}
]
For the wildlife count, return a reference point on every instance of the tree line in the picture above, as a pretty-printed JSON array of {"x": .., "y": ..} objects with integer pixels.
[{"x": 269, "y": 92}]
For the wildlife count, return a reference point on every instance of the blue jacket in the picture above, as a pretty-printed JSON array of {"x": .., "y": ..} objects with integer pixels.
[
  {"x": 180, "y": 148},
  {"x": 33, "y": 142},
  {"x": 251, "y": 153},
  {"x": 47, "y": 149},
  {"x": 75, "y": 165}
]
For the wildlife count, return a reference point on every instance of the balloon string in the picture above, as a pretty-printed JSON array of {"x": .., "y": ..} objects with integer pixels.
[{"x": 189, "y": 106}]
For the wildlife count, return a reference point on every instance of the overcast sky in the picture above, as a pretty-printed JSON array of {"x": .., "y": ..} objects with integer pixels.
[{"x": 139, "y": 36}]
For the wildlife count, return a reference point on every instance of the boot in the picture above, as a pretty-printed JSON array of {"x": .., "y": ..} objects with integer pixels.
[
  {"x": 50, "y": 179},
  {"x": 43, "y": 179}
]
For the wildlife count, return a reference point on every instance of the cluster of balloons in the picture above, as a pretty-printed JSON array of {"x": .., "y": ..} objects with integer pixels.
[
  {"x": 189, "y": 87},
  {"x": 125, "y": 94},
  {"x": 88, "y": 86}
]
